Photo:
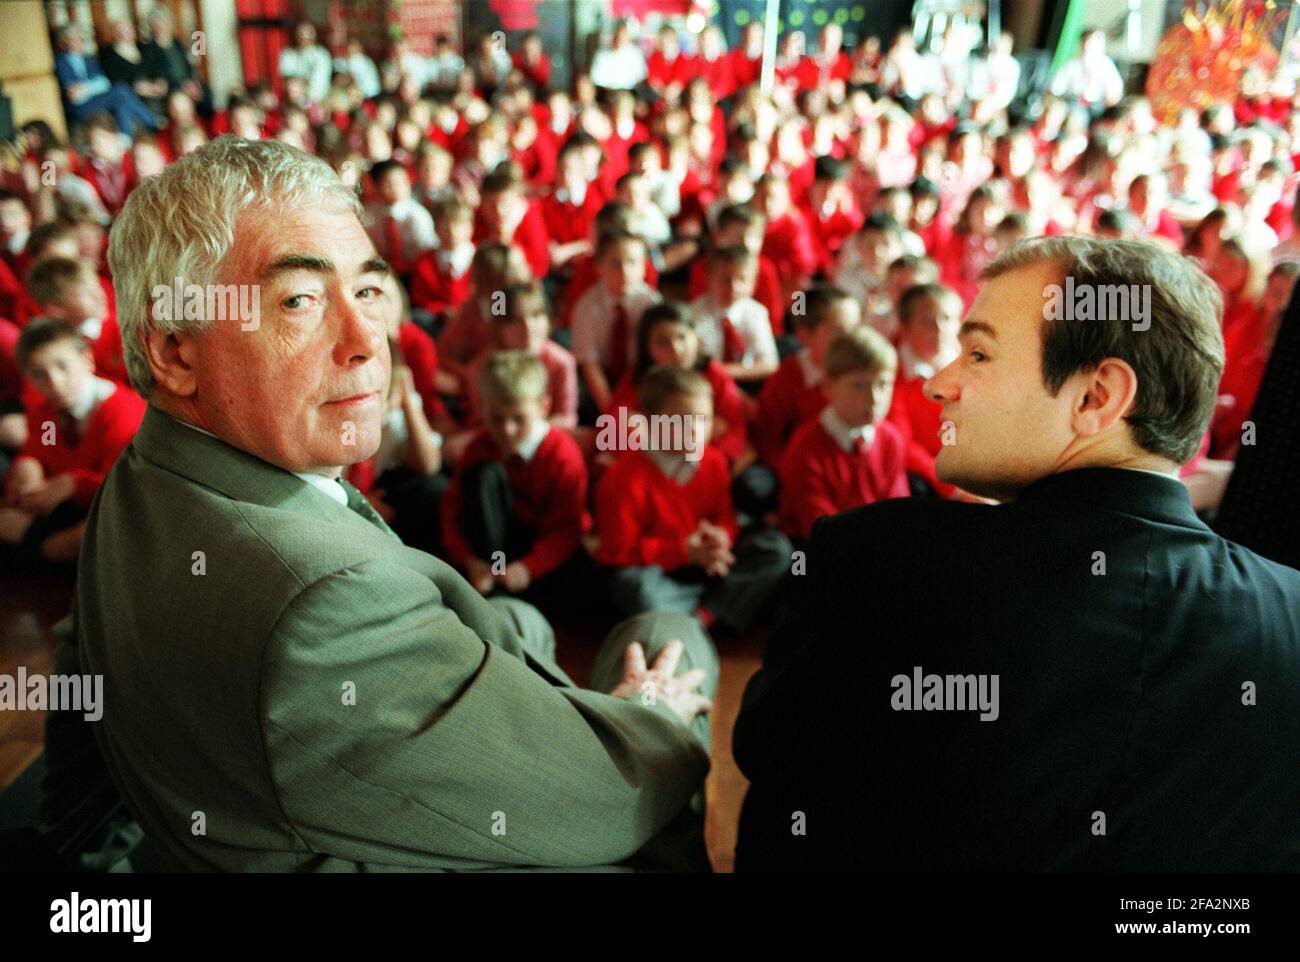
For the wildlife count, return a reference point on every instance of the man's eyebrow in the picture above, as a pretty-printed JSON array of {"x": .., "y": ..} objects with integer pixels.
[
  {"x": 977, "y": 327},
  {"x": 319, "y": 265}
]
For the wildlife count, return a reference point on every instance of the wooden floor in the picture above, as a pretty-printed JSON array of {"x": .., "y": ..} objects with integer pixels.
[{"x": 30, "y": 606}]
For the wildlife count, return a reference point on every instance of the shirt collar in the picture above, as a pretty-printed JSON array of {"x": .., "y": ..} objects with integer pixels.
[
  {"x": 330, "y": 487},
  {"x": 528, "y": 447},
  {"x": 96, "y": 392},
  {"x": 91, "y": 328},
  {"x": 674, "y": 466},
  {"x": 913, "y": 366},
  {"x": 845, "y": 434}
]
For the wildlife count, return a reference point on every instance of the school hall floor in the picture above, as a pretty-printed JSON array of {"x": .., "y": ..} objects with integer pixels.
[{"x": 31, "y": 604}]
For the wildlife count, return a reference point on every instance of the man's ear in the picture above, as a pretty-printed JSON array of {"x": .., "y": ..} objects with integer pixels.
[
  {"x": 1106, "y": 396},
  {"x": 171, "y": 360}
]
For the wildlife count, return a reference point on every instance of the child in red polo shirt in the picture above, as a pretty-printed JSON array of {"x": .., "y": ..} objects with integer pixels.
[
  {"x": 74, "y": 435},
  {"x": 665, "y": 525},
  {"x": 793, "y": 394},
  {"x": 68, "y": 290},
  {"x": 929, "y": 317},
  {"x": 849, "y": 455},
  {"x": 514, "y": 512},
  {"x": 441, "y": 277}
]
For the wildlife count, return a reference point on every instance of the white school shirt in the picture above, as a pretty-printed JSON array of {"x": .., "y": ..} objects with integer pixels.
[
  {"x": 751, "y": 322},
  {"x": 593, "y": 322},
  {"x": 414, "y": 223},
  {"x": 843, "y": 434},
  {"x": 313, "y": 65}
]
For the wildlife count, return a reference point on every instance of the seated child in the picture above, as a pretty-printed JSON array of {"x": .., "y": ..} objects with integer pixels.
[
  {"x": 495, "y": 267},
  {"x": 74, "y": 435},
  {"x": 667, "y": 335},
  {"x": 605, "y": 318},
  {"x": 862, "y": 265},
  {"x": 664, "y": 520},
  {"x": 506, "y": 216},
  {"x": 929, "y": 317},
  {"x": 514, "y": 512},
  {"x": 793, "y": 394},
  {"x": 440, "y": 279},
  {"x": 849, "y": 455},
  {"x": 742, "y": 224},
  {"x": 732, "y": 326},
  {"x": 526, "y": 326},
  {"x": 68, "y": 290},
  {"x": 399, "y": 225}
]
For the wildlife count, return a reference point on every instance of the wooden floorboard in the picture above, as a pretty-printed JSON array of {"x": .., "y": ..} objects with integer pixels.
[{"x": 31, "y": 605}]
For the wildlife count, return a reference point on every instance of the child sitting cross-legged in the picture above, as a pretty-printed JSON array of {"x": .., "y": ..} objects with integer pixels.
[
  {"x": 665, "y": 527},
  {"x": 515, "y": 510}
]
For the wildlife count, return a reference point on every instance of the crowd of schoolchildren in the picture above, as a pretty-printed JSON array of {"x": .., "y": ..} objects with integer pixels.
[{"x": 786, "y": 269}]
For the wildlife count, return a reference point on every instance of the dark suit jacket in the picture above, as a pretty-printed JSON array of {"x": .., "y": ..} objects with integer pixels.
[{"x": 1120, "y": 694}]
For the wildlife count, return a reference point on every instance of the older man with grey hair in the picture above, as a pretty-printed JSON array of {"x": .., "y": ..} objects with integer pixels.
[{"x": 287, "y": 686}]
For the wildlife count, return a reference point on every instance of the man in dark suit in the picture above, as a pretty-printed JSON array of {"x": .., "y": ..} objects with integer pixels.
[{"x": 1083, "y": 677}]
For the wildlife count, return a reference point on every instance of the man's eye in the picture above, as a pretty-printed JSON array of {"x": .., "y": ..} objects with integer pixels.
[
  {"x": 295, "y": 302},
  {"x": 979, "y": 355},
  {"x": 372, "y": 292}
]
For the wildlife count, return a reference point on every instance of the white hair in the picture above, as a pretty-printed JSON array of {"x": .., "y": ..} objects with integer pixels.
[{"x": 181, "y": 225}]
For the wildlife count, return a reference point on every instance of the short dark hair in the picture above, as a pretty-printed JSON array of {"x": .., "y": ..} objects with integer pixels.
[
  {"x": 817, "y": 302},
  {"x": 1178, "y": 359},
  {"x": 42, "y": 332},
  {"x": 664, "y": 381}
]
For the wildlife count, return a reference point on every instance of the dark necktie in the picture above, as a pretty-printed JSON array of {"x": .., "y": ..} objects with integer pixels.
[
  {"x": 733, "y": 345},
  {"x": 69, "y": 429},
  {"x": 358, "y": 503}
]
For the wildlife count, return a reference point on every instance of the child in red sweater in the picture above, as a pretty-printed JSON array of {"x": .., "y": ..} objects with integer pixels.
[
  {"x": 849, "y": 455},
  {"x": 741, "y": 224},
  {"x": 505, "y": 215},
  {"x": 515, "y": 510},
  {"x": 929, "y": 317},
  {"x": 793, "y": 394},
  {"x": 74, "y": 435},
  {"x": 68, "y": 290},
  {"x": 440, "y": 278},
  {"x": 665, "y": 526}
]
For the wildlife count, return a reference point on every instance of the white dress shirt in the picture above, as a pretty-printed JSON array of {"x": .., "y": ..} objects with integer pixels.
[
  {"x": 845, "y": 434},
  {"x": 593, "y": 322},
  {"x": 751, "y": 322},
  {"x": 414, "y": 223}
]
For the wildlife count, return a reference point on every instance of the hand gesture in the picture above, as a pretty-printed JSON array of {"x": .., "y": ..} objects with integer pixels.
[{"x": 660, "y": 684}]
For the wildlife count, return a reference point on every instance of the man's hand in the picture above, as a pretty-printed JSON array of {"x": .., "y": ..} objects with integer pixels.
[
  {"x": 516, "y": 577},
  {"x": 480, "y": 575},
  {"x": 659, "y": 684},
  {"x": 45, "y": 497}
]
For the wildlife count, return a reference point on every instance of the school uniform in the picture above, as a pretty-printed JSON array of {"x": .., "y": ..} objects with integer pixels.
[
  {"x": 604, "y": 328},
  {"x": 789, "y": 397},
  {"x": 586, "y": 274},
  {"x": 767, "y": 288},
  {"x": 570, "y": 214},
  {"x": 401, "y": 232},
  {"x": 647, "y": 504},
  {"x": 465, "y": 336},
  {"x": 87, "y": 439},
  {"x": 530, "y": 237},
  {"x": 829, "y": 233},
  {"x": 918, "y": 419},
  {"x": 739, "y": 333},
  {"x": 530, "y": 507},
  {"x": 789, "y": 245},
  {"x": 440, "y": 279},
  {"x": 830, "y": 466}
]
